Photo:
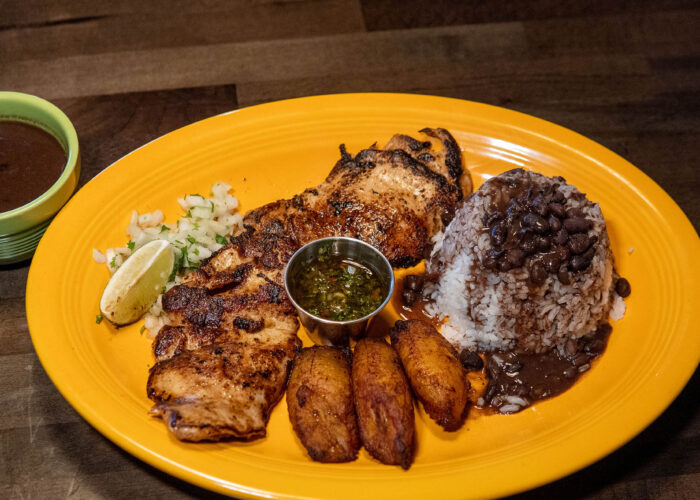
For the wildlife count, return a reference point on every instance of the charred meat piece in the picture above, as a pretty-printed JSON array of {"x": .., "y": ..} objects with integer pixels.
[
  {"x": 439, "y": 152},
  {"x": 221, "y": 391},
  {"x": 434, "y": 371},
  {"x": 383, "y": 403},
  {"x": 320, "y": 403}
]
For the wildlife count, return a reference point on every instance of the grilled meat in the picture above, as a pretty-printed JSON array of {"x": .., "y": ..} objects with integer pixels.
[
  {"x": 434, "y": 371},
  {"x": 222, "y": 390},
  {"x": 383, "y": 403},
  {"x": 320, "y": 403},
  {"x": 395, "y": 199}
]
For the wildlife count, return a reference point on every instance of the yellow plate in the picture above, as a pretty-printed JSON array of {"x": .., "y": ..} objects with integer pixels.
[{"x": 275, "y": 150}]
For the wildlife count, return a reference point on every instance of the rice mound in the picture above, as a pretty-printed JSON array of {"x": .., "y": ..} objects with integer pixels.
[{"x": 495, "y": 310}]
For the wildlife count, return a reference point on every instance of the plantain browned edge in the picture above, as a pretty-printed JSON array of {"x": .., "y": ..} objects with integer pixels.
[{"x": 438, "y": 380}]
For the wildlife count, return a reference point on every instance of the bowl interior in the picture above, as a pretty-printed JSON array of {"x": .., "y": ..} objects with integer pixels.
[{"x": 32, "y": 110}]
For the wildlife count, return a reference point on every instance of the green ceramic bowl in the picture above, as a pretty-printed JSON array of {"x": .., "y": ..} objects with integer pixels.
[{"x": 22, "y": 228}]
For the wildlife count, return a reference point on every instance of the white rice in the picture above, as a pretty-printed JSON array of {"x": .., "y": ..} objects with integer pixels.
[
  {"x": 205, "y": 227},
  {"x": 489, "y": 310}
]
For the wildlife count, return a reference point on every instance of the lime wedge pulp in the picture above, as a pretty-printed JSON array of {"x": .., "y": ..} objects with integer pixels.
[{"x": 135, "y": 286}]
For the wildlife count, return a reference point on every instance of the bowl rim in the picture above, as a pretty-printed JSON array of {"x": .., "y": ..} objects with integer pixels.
[
  {"x": 389, "y": 294},
  {"x": 72, "y": 152}
]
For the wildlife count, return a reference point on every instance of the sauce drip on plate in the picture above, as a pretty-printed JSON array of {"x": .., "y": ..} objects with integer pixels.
[{"x": 31, "y": 160}]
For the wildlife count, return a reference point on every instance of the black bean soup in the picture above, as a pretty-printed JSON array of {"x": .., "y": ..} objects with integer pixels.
[
  {"x": 31, "y": 160},
  {"x": 533, "y": 227}
]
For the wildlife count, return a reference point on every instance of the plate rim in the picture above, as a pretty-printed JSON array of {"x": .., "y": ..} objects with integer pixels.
[{"x": 204, "y": 480}]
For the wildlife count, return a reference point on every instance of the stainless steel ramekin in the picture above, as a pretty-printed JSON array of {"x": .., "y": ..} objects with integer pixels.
[{"x": 325, "y": 331}]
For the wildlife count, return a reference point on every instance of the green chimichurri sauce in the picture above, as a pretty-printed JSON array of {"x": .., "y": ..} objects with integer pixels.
[{"x": 337, "y": 288}]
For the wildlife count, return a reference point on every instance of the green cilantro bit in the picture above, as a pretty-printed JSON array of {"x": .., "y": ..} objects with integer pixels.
[
  {"x": 98, "y": 319},
  {"x": 221, "y": 240},
  {"x": 212, "y": 206},
  {"x": 197, "y": 195},
  {"x": 191, "y": 240},
  {"x": 143, "y": 329},
  {"x": 195, "y": 251},
  {"x": 113, "y": 262},
  {"x": 164, "y": 228},
  {"x": 131, "y": 245},
  {"x": 188, "y": 214}
]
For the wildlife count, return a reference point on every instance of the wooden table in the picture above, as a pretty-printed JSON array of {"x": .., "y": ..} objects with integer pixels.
[{"x": 626, "y": 74}]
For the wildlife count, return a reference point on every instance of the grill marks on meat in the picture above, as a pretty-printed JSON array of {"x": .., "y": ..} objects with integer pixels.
[
  {"x": 222, "y": 363},
  {"x": 445, "y": 160}
]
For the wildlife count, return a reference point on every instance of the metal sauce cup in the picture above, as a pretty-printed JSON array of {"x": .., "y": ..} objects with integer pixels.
[{"x": 326, "y": 331}]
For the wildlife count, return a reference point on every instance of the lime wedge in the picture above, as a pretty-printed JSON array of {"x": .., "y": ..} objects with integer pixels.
[{"x": 135, "y": 286}]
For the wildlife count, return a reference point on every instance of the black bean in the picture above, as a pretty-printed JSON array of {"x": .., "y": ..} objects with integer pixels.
[
  {"x": 580, "y": 359},
  {"x": 623, "y": 287},
  {"x": 515, "y": 256},
  {"x": 561, "y": 237},
  {"x": 570, "y": 348},
  {"x": 414, "y": 282},
  {"x": 570, "y": 372},
  {"x": 490, "y": 262},
  {"x": 490, "y": 392},
  {"x": 554, "y": 223},
  {"x": 564, "y": 277},
  {"x": 507, "y": 362},
  {"x": 492, "y": 218},
  {"x": 579, "y": 243},
  {"x": 562, "y": 252},
  {"x": 588, "y": 254},
  {"x": 577, "y": 224},
  {"x": 498, "y": 235},
  {"x": 558, "y": 210},
  {"x": 558, "y": 197},
  {"x": 594, "y": 347},
  {"x": 536, "y": 223},
  {"x": 544, "y": 243},
  {"x": 528, "y": 244},
  {"x": 471, "y": 361},
  {"x": 493, "y": 367},
  {"x": 579, "y": 263},
  {"x": 551, "y": 262},
  {"x": 513, "y": 210},
  {"x": 504, "y": 265},
  {"x": 409, "y": 297},
  {"x": 538, "y": 275},
  {"x": 574, "y": 212},
  {"x": 539, "y": 205}
]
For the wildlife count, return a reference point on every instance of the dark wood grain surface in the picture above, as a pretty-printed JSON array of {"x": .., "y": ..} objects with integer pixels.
[{"x": 625, "y": 73}]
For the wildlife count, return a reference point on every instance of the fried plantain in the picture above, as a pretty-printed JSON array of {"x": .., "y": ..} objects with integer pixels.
[
  {"x": 320, "y": 403},
  {"x": 383, "y": 403},
  {"x": 434, "y": 371}
]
